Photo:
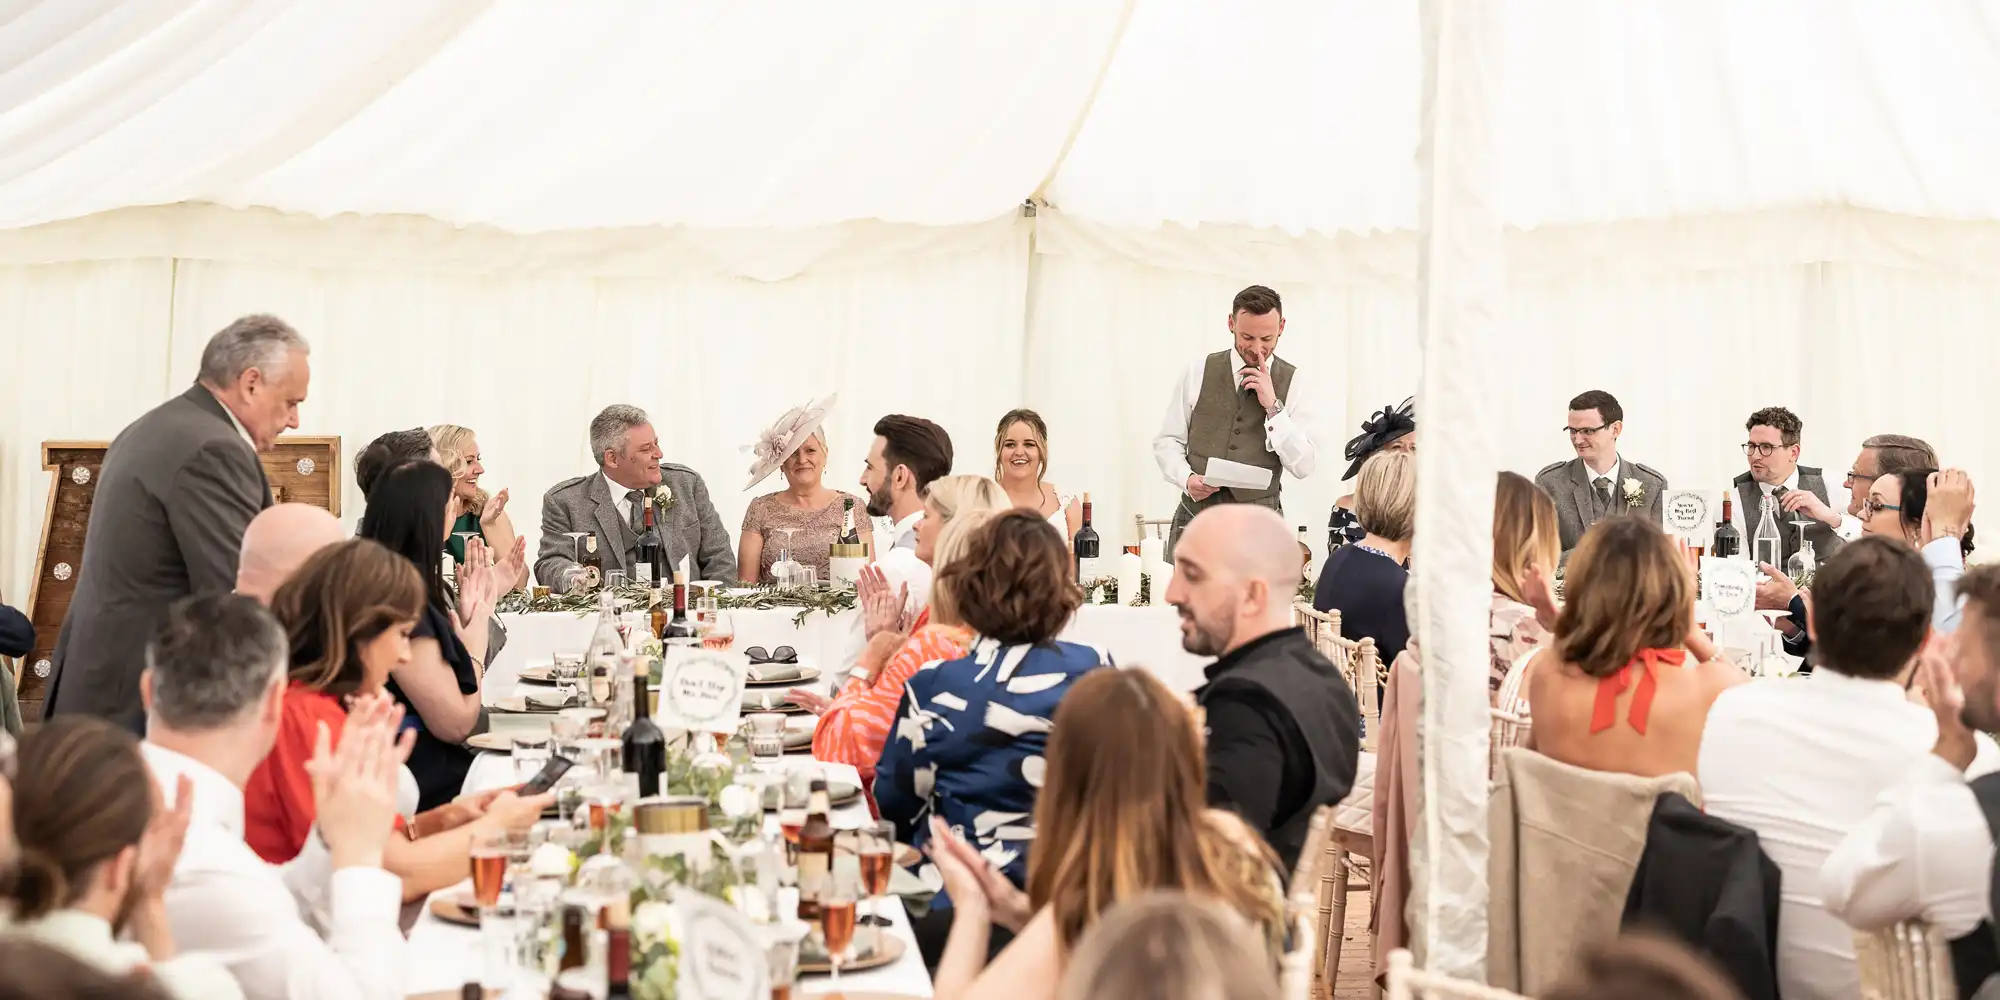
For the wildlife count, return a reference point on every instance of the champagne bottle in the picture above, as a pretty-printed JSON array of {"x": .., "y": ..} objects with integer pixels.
[
  {"x": 1088, "y": 567},
  {"x": 815, "y": 852},
  {"x": 593, "y": 563},
  {"x": 646, "y": 571},
  {"x": 848, "y": 555},
  {"x": 1728, "y": 541},
  {"x": 680, "y": 626},
  {"x": 645, "y": 750}
]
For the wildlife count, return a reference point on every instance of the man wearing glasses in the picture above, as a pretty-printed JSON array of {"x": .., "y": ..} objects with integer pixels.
[
  {"x": 1598, "y": 483},
  {"x": 1773, "y": 451}
]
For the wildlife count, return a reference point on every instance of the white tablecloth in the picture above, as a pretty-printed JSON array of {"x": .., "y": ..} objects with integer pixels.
[{"x": 1147, "y": 637}]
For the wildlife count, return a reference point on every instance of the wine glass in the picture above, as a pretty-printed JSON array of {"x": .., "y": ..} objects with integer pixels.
[
  {"x": 784, "y": 570},
  {"x": 836, "y": 912},
  {"x": 1805, "y": 561},
  {"x": 878, "y": 852},
  {"x": 720, "y": 633}
]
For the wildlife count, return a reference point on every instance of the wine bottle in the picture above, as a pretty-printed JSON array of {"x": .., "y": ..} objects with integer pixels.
[
  {"x": 1766, "y": 545},
  {"x": 648, "y": 564},
  {"x": 593, "y": 563},
  {"x": 1088, "y": 567},
  {"x": 645, "y": 749},
  {"x": 680, "y": 626},
  {"x": 600, "y": 662},
  {"x": 815, "y": 852},
  {"x": 1728, "y": 541},
  {"x": 848, "y": 555}
]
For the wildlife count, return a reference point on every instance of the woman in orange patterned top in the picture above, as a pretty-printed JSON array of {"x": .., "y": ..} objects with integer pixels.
[{"x": 853, "y": 726}]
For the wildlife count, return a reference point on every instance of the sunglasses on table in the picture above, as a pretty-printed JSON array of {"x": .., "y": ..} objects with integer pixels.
[{"x": 783, "y": 654}]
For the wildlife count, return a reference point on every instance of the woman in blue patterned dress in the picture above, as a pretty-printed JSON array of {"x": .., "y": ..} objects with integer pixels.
[{"x": 970, "y": 733}]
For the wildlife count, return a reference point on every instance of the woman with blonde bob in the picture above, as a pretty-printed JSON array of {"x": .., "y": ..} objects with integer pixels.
[
  {"x": 1122, "y": 812},
  {"x": 1630, "y": 679}
]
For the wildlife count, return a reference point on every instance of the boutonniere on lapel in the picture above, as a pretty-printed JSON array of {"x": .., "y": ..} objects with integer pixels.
[
  {"x": 663, "y": 497},
  {"x": 1635, "y": 493}
]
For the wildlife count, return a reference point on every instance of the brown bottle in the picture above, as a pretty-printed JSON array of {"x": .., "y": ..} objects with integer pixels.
[
  {"x": 815, "y": 852},
  {"x": 576, "y": 947}
]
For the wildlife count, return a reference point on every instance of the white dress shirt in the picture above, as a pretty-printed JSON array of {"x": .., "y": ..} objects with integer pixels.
[
  {"x": 88, "y": 938},
  {"x": 251, "y": 916},
  {"x": 233, "y": 422},
  {"x": 1923, "y": 851},
  {"x": 620, "y": 500},
  {"x": 1946, "y": 560},
  {"x": 1288, "y": 433},
  {"x": 1801, "y": 761}
]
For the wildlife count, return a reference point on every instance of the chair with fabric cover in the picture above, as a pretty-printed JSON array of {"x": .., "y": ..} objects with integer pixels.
[
  {"x": 1904, "y": 961},
  {"x": 1509, "y": 730},
  {"x": 1407, "y": 982}
]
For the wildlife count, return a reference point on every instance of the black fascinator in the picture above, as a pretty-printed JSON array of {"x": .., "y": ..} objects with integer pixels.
[{"x": 1388, "y": 424}]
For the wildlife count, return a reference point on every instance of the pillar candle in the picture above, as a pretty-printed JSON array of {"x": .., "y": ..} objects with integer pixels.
[{"x": 1129, "y": 569}]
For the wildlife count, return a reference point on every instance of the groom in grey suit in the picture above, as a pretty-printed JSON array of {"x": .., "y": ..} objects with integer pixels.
[
  {"x": 1598, "y": 483},
  {"x": 608, "y": 504}
]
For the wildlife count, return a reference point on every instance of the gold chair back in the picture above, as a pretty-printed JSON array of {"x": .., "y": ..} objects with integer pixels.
[
  {"x": 1312, "y": 897},
  {"x": 1905, "y": 961}
]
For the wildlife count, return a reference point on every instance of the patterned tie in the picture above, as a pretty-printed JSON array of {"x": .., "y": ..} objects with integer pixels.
[
  {"x": 637, "y": 500},
  {"x": 1603, "y": 485}
]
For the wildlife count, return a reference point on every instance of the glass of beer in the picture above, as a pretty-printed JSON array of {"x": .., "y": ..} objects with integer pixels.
[
  {"x": 491, "y": 853},
  {"x": 837, "y": 917}
]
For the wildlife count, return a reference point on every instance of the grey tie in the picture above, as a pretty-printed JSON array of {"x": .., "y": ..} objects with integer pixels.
[
  {"x": 1603, "y": 485},
  {"x": 637, "y": 499}
]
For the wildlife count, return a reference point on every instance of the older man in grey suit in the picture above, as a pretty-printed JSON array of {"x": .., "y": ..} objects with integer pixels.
[
  {"x": 607, "y": 503},
  {"x": 177, "y": 489},
  {"x": 1598, "y": 483}
]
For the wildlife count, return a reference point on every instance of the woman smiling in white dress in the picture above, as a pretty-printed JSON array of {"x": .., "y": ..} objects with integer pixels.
[{"x": 1020, "y": 459}]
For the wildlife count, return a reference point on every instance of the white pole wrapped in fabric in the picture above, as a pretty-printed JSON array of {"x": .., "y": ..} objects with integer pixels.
[{"x": 1461, "y": 295}]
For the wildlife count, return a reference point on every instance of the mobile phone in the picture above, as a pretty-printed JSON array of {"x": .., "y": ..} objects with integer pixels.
[{"x": 547, "y": 777}]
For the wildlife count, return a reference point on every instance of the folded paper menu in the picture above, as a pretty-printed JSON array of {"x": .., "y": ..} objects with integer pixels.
[{"x": 1222, "y": 472}]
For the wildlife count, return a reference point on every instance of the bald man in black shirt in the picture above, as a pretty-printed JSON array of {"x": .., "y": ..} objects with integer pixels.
[{"x": 1283, "y": 725}]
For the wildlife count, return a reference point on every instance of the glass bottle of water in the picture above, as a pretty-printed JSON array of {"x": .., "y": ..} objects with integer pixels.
[
  {"x": 1767, "y": 547},
  {"x": 600, "y": 660}
]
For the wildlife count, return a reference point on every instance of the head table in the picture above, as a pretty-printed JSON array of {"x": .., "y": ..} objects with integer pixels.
[{"x": 443, "y": 955}]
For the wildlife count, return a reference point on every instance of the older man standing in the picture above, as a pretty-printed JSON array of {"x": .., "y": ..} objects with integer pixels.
[
  {"x": 1244, "y": 405},
  {"x": 610, "y": 501},
  {"x": 1283, "y": 727},
  {"x": 177, "y": 489}
]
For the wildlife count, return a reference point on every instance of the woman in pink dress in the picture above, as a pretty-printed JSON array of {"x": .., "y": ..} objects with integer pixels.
[{"x": 804, "y": 518}]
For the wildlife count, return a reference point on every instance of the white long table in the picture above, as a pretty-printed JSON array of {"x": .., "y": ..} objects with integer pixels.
[{"x": 1146, "y": 637}]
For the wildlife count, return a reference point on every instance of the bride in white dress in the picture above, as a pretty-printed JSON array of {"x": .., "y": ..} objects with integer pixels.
[{"x": 1020, "y": 459}]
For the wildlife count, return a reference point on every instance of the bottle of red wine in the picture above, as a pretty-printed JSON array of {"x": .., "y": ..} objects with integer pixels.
[
  {"x": 1728, "y": 541},
  {"x": 1088, "y": 568},
  {"x": 680, "y": 626},
  {"x": 645, "y": 746},
  {"x": 650, "y": 561}
]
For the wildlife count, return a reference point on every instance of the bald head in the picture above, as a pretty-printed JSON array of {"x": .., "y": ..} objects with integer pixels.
[
  {"x": 277, "y": 542},
  {"x": 1236, "y": 572}
]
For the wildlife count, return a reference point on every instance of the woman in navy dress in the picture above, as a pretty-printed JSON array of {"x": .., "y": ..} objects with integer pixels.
[{"x": 971, "y": 732}]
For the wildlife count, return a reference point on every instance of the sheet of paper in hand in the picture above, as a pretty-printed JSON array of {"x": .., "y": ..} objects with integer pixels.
[
  {"x": 1729, "y": 586},
  {"x": 1222, "y": 472},
  {"x": 701, "y": 690},
  {"x": 1691, "y": 515}
]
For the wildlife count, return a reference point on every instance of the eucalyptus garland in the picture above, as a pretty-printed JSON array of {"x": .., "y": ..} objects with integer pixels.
[{"x": 831, "y": 601}]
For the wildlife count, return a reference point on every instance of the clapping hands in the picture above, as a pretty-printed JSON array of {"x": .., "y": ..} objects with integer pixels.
[
  {"x": 354, "y": 785},
  {"x": 882, "y": 609},
  {"x": 974, "y": 885}
]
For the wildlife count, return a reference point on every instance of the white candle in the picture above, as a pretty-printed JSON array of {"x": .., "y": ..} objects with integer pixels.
[
  {"x": 1151, "y": 552},
  {"x": 1162, "y": 578},
  {"x": 1129, "y": 569}
]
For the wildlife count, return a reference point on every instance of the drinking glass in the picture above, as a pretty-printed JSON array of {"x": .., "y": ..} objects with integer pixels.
[
  {"x": 614, "y": 581},
  {"x": 784, "y": 569},
  {"x": 576, "y": 538},
  {"x": 837, "y": 917},
  {"x": 567, "y": 668},
  {"x": 720, "y": 633},
  {"x": 491, "y": 852},
  {"x": 878, "y": 852},
  {"x": 767, "y": 737},
  {"x": 1801, "y": 566},
  {"x": 530, "y": 752}
]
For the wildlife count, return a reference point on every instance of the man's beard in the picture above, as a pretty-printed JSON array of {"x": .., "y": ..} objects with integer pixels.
[
  {"x": 1979, "y": 713},
  {"x": 1200, "y": 640},
  {"x": 879, "y": 501}
]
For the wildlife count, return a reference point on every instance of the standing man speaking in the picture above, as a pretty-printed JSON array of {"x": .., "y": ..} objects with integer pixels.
[{"x": 1237, "y": 420}]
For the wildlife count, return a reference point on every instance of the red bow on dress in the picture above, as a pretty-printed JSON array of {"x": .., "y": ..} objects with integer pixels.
[{"x": 1605, "y": 713}]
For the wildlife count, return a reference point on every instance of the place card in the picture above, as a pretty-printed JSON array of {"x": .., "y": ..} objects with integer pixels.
[
  {"x": 1691, "y": 515},
  {"x": 1729, "y": 586},
  {"x": 701, "y": 690},
  {"x": 722, "y": 954}
]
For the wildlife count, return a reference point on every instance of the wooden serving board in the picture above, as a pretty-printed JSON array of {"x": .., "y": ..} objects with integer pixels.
[{"x": 301, "y": 468}]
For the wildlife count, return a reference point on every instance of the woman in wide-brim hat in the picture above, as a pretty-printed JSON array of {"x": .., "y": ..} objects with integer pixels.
[
  {"x": 812, "y": 513},
  {"x": 1392, "y": 428}
]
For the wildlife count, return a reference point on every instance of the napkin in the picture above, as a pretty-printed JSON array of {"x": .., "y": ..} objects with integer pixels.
[
  {"x": 775, "y": 672},
  {"x": 557, "y": 698}
]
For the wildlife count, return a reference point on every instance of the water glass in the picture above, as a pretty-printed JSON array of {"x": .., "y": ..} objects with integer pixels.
[
  {"x": 568, "y": 668},
  {"x": 767, "y": 737}
]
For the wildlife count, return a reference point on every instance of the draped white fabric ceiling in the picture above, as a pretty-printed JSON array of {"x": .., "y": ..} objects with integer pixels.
[{"x": 533, "y": 115}]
